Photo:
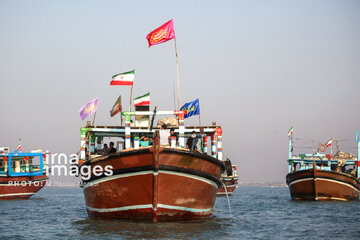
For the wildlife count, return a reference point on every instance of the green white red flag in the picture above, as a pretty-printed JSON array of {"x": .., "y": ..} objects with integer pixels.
[
  {"x": 329, "y": 143},
  {"x": 143, "y": 100},
  {"x": 116, "y": 108},
  {"x": 162, "y": 34},
  {"x": 290, "y": 131},
  {"x": 125, "y": 78},
  {"x": 19, "y": 147}
]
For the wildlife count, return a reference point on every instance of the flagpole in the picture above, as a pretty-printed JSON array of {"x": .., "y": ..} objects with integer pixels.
[
  {"x": 130, "y": 97},
  {"x": 331, "y": 149},
  {"x": 199, "y": 115},
  {"x": 177, "y": 71},
  {"x": 121, "y": 121},
  {"x": 94, "y": 118}
]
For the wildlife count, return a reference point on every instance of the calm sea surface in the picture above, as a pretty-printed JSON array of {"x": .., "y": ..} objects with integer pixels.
[{"x": 257, "y": 213}]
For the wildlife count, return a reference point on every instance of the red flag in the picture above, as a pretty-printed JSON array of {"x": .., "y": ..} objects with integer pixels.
[{"x": 162, "y": 34}]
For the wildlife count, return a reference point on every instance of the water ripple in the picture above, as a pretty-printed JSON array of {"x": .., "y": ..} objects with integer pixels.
[{"x": 257, "y": 213}]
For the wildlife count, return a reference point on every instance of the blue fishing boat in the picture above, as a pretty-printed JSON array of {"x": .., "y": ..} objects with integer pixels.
[{"x": 20, "y": 176}]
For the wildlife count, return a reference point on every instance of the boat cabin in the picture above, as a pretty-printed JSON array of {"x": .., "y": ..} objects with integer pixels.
[
  {"x": 22, "y": 164},
  {"x": 138, "y": 125},
  {"x": 339, "y": 162}
]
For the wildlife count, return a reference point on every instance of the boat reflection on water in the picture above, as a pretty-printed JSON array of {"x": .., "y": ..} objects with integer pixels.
[{"x": 146, "y": 230}]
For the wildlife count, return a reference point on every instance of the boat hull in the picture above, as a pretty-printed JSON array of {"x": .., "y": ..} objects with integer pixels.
[
  {"x": 322, "y": 185},
  {"x": 156, "y": 184},
  {"x": 230, "y": 183},
  {"x": 20, "y": 187}
]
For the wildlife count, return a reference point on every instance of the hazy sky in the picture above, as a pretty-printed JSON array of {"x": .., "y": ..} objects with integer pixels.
[{"x": 258, "y": 68}]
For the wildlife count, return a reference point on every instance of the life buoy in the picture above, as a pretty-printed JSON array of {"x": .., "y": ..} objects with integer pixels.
[{"x": 322, "y": 148}]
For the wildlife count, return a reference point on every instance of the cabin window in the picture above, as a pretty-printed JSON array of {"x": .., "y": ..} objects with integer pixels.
[{"x": 34, "y": 161}]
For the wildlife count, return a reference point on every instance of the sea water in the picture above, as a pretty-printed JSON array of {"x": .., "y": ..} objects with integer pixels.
[{"x": 257, "y": 213}]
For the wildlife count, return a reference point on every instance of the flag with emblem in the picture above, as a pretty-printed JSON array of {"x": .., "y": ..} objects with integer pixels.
[
  {"x": 191, "y": 108},
  {"x": 162, "y": 34},
  {"x": 116, "y": 108},
  {"x": 88, "y": 109},
  {"x": 125, "y": 78}
]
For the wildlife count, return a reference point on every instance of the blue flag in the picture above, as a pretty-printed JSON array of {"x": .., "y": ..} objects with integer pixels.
[{"x": 192, "y": 108}]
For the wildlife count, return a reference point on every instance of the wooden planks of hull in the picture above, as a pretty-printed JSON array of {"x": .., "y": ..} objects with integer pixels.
[
  {"x": 20, "y": 187},
  {"x": 154, "y": 184},
  {"x": 321, "y": 185},
  {"x": 229, "y": 190}
]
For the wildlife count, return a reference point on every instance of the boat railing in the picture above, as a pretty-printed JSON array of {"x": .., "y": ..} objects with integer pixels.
[
  {"x": 338, "y": 162},
  {"x": 94, "y": 135},
  {"x": 307, "y": 162}
]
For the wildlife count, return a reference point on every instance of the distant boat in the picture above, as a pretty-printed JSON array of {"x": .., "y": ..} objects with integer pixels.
[
  {"x": 323, "y": 177},
  {"x": 229, "y": 179},
  {"x": 20, "y": 178},
  {"x": 157, "y": 182}
]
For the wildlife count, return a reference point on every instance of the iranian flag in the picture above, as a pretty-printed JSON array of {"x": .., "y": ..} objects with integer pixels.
[
  {"x": 329, "y": 143},
  {"x": 126, "y": 78},
  {"x": 290, "y": 131},
  {"x": 19, "y": 147},
  {"x": 142, "y": 100},
  {"x": 116, "y": 108}
]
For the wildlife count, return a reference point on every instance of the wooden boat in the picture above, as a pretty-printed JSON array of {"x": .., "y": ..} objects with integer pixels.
[
  {"x": 229, "y": 179},
  {"x": 19, "y": 177},
  {"x": 156, "y": 183},
  {"x": 323, "y": 177}
]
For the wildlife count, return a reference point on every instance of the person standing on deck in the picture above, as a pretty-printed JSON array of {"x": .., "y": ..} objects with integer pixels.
[
  {"x": 164, "y": 136},
  {"x": 172, "y": 134},
  {"x": 112, "y": 149},
  {"x": 191, "y": 141}
]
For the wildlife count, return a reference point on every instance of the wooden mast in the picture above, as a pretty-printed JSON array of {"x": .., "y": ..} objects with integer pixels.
[
  {"x": 94, "y": 118},
  {"x": 177, "y": 72},
  {"x": 131, "y": 97}
]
